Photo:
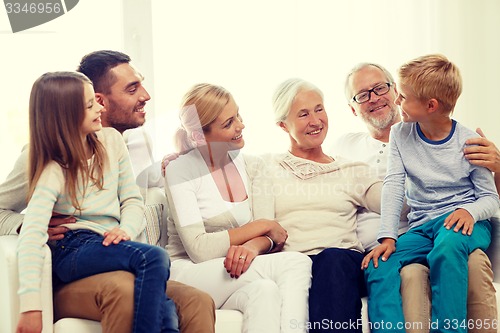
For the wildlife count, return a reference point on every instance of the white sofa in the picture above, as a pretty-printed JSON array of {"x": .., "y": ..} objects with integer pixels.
[{"x": 227, "y": 321}]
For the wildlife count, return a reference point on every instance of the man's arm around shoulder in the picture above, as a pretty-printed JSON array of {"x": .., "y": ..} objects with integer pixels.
[{"x": 13, "y": 196}]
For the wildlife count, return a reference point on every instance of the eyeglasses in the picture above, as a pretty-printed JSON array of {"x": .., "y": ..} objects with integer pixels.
[{"x": 378, "y": 90}]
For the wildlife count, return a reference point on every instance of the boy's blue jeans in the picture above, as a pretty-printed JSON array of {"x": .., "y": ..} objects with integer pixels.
[
  {"x": 81, "y": 254},
  {"x": 446, "y": 253}
]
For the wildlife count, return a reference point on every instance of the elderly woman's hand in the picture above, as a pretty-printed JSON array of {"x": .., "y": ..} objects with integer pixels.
[
  {"x": 482, "y": 152},
  {"x": 278, "y": 234}
]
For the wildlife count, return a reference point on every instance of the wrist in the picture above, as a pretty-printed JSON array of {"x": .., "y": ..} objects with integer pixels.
[
  {"x": 388, "y": 241},
  {"x": 271, "y": 246},
  {"x": 265, "y": 226}
]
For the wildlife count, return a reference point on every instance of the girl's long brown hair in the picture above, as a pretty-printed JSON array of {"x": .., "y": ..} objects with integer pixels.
[{"x": 56, "y": 113}]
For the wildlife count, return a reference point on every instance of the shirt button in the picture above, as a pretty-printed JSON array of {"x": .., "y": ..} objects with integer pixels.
[
  {"x": 381, "y": 152},
  {"x": 378, "y": 161},
  {"x": 383, "y": 145}
]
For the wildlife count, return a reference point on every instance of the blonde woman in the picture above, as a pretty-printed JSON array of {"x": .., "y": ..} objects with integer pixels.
[{"x": 214, "y": 242}]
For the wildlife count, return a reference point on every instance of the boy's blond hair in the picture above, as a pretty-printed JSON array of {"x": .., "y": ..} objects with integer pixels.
[{"x": 433, "y": 76}]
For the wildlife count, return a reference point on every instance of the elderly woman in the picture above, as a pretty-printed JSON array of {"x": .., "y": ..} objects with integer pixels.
[{"x": 315, "y": 198}]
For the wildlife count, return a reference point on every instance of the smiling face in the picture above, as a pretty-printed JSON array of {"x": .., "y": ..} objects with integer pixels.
[
  {"x": 380, "y": 112},
  {"x": 126, "y": 101},
  {"x": 93, "y": 110},
  {"x": 227, "y": 128},
  {"x": 413, "y": 109},
  {"x": 307, "y": 121}
]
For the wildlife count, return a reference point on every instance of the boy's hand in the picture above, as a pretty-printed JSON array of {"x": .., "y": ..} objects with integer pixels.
[
  {"x": 462, "y": 219},
  {"x": 385, "y": 249},
  {"x": 115, "y": 236},
  {"x": 29, "y": 322}
]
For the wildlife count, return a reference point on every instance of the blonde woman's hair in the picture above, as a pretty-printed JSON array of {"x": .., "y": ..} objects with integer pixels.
[
  {"x": 285, "y": 94},
  {"x": 56, "y": 113},
  {"x": 433, "y": 76},
  {"x": 200, "y": 107}
]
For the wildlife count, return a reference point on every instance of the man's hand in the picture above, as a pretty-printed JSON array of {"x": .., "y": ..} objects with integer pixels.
[
  {"x": 115, "y": 236},
  {"x": 29, "y": 322},
  {"x": 166, "y": 160},
  {"x": 462, "y": 219},
  {"x": 385, "y": 249},
  {"x": 483, "y": 152},
  {"x": 55, "y": 231}
]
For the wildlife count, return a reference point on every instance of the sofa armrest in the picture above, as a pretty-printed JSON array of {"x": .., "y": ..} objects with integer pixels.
[
  {"x": 9, "y": 284},
  {"x": 493, "y": 251}
]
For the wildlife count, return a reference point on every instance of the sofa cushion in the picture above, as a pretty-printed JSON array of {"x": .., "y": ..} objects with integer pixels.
[{"x": 153, "y": 220}]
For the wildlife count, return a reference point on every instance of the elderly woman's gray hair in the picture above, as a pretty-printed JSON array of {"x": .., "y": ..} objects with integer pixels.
[{"x": 285, "y": 94}]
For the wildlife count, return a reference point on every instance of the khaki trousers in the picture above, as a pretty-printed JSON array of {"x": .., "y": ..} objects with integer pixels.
[
  {"x": 109, "y": 298},
  {"x": 481, "y": 299}
]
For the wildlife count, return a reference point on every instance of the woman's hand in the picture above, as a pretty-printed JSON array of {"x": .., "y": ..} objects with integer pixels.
[
  {"x": 278, "y": 234},
  {"x": 238, "y": 259},
  {"x": 29, "y": 322},
  {"x": 482, "y": 152},
  {"x": 385, "y": 249},
  {"x": 115, "y": 236}
]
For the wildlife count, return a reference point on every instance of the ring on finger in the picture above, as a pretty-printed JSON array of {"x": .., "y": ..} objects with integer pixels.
[{"x": 242, "y": 258}]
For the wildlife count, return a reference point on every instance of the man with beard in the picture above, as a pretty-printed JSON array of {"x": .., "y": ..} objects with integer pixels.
[
  {"x": 107, "y": 297},
  {"x": 371, "y": 91}
]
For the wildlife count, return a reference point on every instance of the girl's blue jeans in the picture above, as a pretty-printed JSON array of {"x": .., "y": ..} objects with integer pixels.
[
  {"x": 81, "y": 254},
  {"x": 446, "y": 253}
]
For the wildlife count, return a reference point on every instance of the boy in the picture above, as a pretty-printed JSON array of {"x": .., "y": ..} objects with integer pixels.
[{"x": 449, "y": 199}]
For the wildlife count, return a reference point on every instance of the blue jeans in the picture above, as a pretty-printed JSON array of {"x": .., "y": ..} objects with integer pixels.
[
  {"x": 336, "y": 291},
  {"x": 81, "y": 254},
  {"x": 446, "y": 253}
]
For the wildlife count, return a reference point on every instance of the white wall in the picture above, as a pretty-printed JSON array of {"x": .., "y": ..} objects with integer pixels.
[
  {"x": 251, "y": 46},
  {"x": 471, "y": 34},
  {"x": 56, "y": 45}
]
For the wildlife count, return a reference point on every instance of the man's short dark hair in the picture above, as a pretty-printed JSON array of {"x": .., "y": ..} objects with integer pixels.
[{"x": 96, "y": 66}]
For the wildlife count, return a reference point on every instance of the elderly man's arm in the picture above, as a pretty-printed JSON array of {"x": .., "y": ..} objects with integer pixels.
[{"x": 481, "y": 151}]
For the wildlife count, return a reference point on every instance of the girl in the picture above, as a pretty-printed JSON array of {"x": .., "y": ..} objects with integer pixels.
[
  {"x": 79, "y": 170},
  {"x": 214, "y": 243}
]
